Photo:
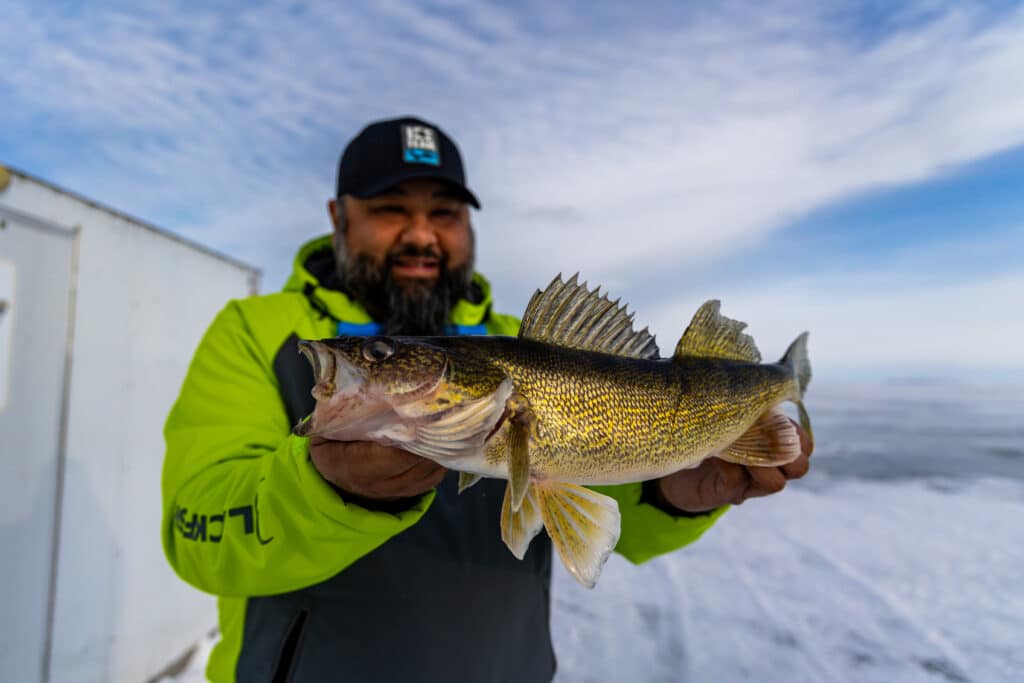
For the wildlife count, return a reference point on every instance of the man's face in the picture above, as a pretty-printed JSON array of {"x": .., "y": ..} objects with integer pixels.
[
  {"x": 417, "y": 216},
  {"x": 406, "y": 254}
]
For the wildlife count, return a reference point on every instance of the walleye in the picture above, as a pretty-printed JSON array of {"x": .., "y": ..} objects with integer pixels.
[{"x": 577, "y": 398}]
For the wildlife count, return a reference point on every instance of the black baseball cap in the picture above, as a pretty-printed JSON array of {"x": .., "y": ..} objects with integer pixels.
[{"x": 386, "y": 153}]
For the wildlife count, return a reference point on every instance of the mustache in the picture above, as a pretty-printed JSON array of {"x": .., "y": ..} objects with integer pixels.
[{"x": 413, "y": 251}]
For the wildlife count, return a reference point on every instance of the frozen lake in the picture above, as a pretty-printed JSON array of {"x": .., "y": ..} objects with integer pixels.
[{"x": 899, "y": 558}]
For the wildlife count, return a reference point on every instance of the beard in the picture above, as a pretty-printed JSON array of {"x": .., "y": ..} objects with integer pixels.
[{"x": 410, "y": 308}]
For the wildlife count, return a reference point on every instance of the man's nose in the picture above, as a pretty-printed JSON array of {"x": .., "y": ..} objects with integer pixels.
[{"x": 419, "y": 231}]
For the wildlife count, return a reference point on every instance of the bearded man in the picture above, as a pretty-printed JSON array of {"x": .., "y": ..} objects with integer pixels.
[{"x": 350, "y": 561}]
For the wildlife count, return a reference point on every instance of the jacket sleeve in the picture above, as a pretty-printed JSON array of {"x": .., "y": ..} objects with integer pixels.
[
  {"x": 244, "y": 510},
  {"x": 647, "y": 531}
]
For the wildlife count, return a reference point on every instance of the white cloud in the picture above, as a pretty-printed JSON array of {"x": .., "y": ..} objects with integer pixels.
[
  {"x": 650, "y": 146},
  {"x": 880, "y": 319},
  {"x": 772, "y": 133}
]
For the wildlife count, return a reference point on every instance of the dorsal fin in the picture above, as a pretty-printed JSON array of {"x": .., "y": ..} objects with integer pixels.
[
  {"x": 570, "y": 315},
  {"x": 712, "y": 335}
]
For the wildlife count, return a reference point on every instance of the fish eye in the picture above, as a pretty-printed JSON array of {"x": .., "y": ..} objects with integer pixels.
[{"x": 378, "y": 349}]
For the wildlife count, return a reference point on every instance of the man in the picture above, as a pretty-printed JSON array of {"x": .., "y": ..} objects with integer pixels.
[{"x": 352, "y": 561}]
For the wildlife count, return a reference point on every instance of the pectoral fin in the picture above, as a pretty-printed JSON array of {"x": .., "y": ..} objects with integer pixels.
[
  {"x": 583, "y": 526},
  {"x": 518, "y": 463},
  {"x": 521, "y": 422},
  {"x": 518, "y": 528},
  {"x": 770, "y": 442}
]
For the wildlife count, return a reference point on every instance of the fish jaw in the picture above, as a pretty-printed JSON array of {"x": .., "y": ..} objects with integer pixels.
[{"x": 332, "y": 379}]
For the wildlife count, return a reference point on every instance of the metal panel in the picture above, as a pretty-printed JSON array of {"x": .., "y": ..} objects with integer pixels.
[
  {"x": 143, "y": 303},
  {"x": 143, "y": 300},
  {"x": 35, "y": 283},
  {"x": 7, "y": 275}
]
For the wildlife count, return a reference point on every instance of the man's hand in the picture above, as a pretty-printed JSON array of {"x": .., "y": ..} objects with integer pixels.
[
  {"x": 370, "y": 472},
  {"x": 715, "y": 482}
]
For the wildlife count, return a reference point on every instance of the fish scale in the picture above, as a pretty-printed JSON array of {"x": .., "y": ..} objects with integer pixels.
[{"x": 606, "y": 419}]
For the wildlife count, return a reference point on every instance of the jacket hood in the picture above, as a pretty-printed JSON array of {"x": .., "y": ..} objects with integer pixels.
[{"x": 313, "y": 275}]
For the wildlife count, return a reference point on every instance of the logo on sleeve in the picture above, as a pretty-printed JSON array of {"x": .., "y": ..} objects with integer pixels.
[{"x": 419, "y": 146}]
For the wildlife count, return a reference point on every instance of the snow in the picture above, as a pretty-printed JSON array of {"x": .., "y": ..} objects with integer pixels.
[
  {"x": 900, "y": 558},
  {"x": 857, "y": 581}
]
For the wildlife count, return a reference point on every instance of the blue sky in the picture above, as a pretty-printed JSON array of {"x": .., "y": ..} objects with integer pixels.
[{"x": 856, "y": 172}]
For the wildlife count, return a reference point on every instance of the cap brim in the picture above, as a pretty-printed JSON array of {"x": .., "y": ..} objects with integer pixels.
[{"x": 386, "y": 184}]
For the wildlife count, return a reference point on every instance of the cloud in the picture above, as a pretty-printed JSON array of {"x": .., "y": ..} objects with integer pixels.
[
  {"x": 911, "y": 309},
  {"x": 630, "y": 145},
  {"x": 875, "y": 319},
  {"x": 773, "y": 131}
]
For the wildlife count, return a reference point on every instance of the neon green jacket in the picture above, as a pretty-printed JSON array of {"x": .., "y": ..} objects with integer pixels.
[{"x": 246, "y": 513}]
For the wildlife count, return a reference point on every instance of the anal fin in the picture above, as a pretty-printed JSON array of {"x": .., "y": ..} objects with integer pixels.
[
  {"x": 583, "y": 525},
  {"x": 770, "y": 442}
]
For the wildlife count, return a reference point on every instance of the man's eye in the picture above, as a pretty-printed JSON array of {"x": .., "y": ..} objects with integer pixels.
[{"x": 389, "y": 209}]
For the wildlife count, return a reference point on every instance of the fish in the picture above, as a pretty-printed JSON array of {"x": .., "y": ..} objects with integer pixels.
[{"x": 578, "y": 398}]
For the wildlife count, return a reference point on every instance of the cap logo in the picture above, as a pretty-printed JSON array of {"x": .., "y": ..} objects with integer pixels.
[{"x": 419, "y": 146}]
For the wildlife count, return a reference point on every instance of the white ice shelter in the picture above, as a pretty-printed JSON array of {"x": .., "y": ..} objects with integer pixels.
[{"x": 99, "y": 316}]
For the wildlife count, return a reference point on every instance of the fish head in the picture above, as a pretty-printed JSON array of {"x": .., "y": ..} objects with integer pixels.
[
  {"x": 387, "y": 368},
  {"x": 362, "y": 383}
]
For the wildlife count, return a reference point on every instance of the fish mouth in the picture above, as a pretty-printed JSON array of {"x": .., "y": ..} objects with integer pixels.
[
  {"x": 333, "y": 375},
  {"x": 320, "y": 358},
  {"x": 344, "y": 410}
]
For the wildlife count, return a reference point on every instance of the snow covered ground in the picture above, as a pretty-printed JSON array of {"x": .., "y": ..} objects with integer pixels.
[{"x": 899, "y": 558}]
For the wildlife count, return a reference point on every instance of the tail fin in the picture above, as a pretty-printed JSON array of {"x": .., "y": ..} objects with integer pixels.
[{"x": 796, "y": 359}]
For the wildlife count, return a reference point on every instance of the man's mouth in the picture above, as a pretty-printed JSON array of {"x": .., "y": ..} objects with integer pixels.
[{"x": 420, "y": 267}]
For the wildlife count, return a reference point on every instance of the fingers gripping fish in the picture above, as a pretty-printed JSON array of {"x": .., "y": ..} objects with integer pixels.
[{"x": 577, "y": 398}]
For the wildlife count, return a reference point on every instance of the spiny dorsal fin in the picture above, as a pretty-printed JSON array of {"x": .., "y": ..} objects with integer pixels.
[
  {"x": 712, "y": 335},
  {"x": 570, "y": 315}
]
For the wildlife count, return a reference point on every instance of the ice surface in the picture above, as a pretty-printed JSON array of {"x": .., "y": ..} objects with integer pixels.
[
  {"x": 862, "y": 581},
  {"x": 900, "y": 558}
]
